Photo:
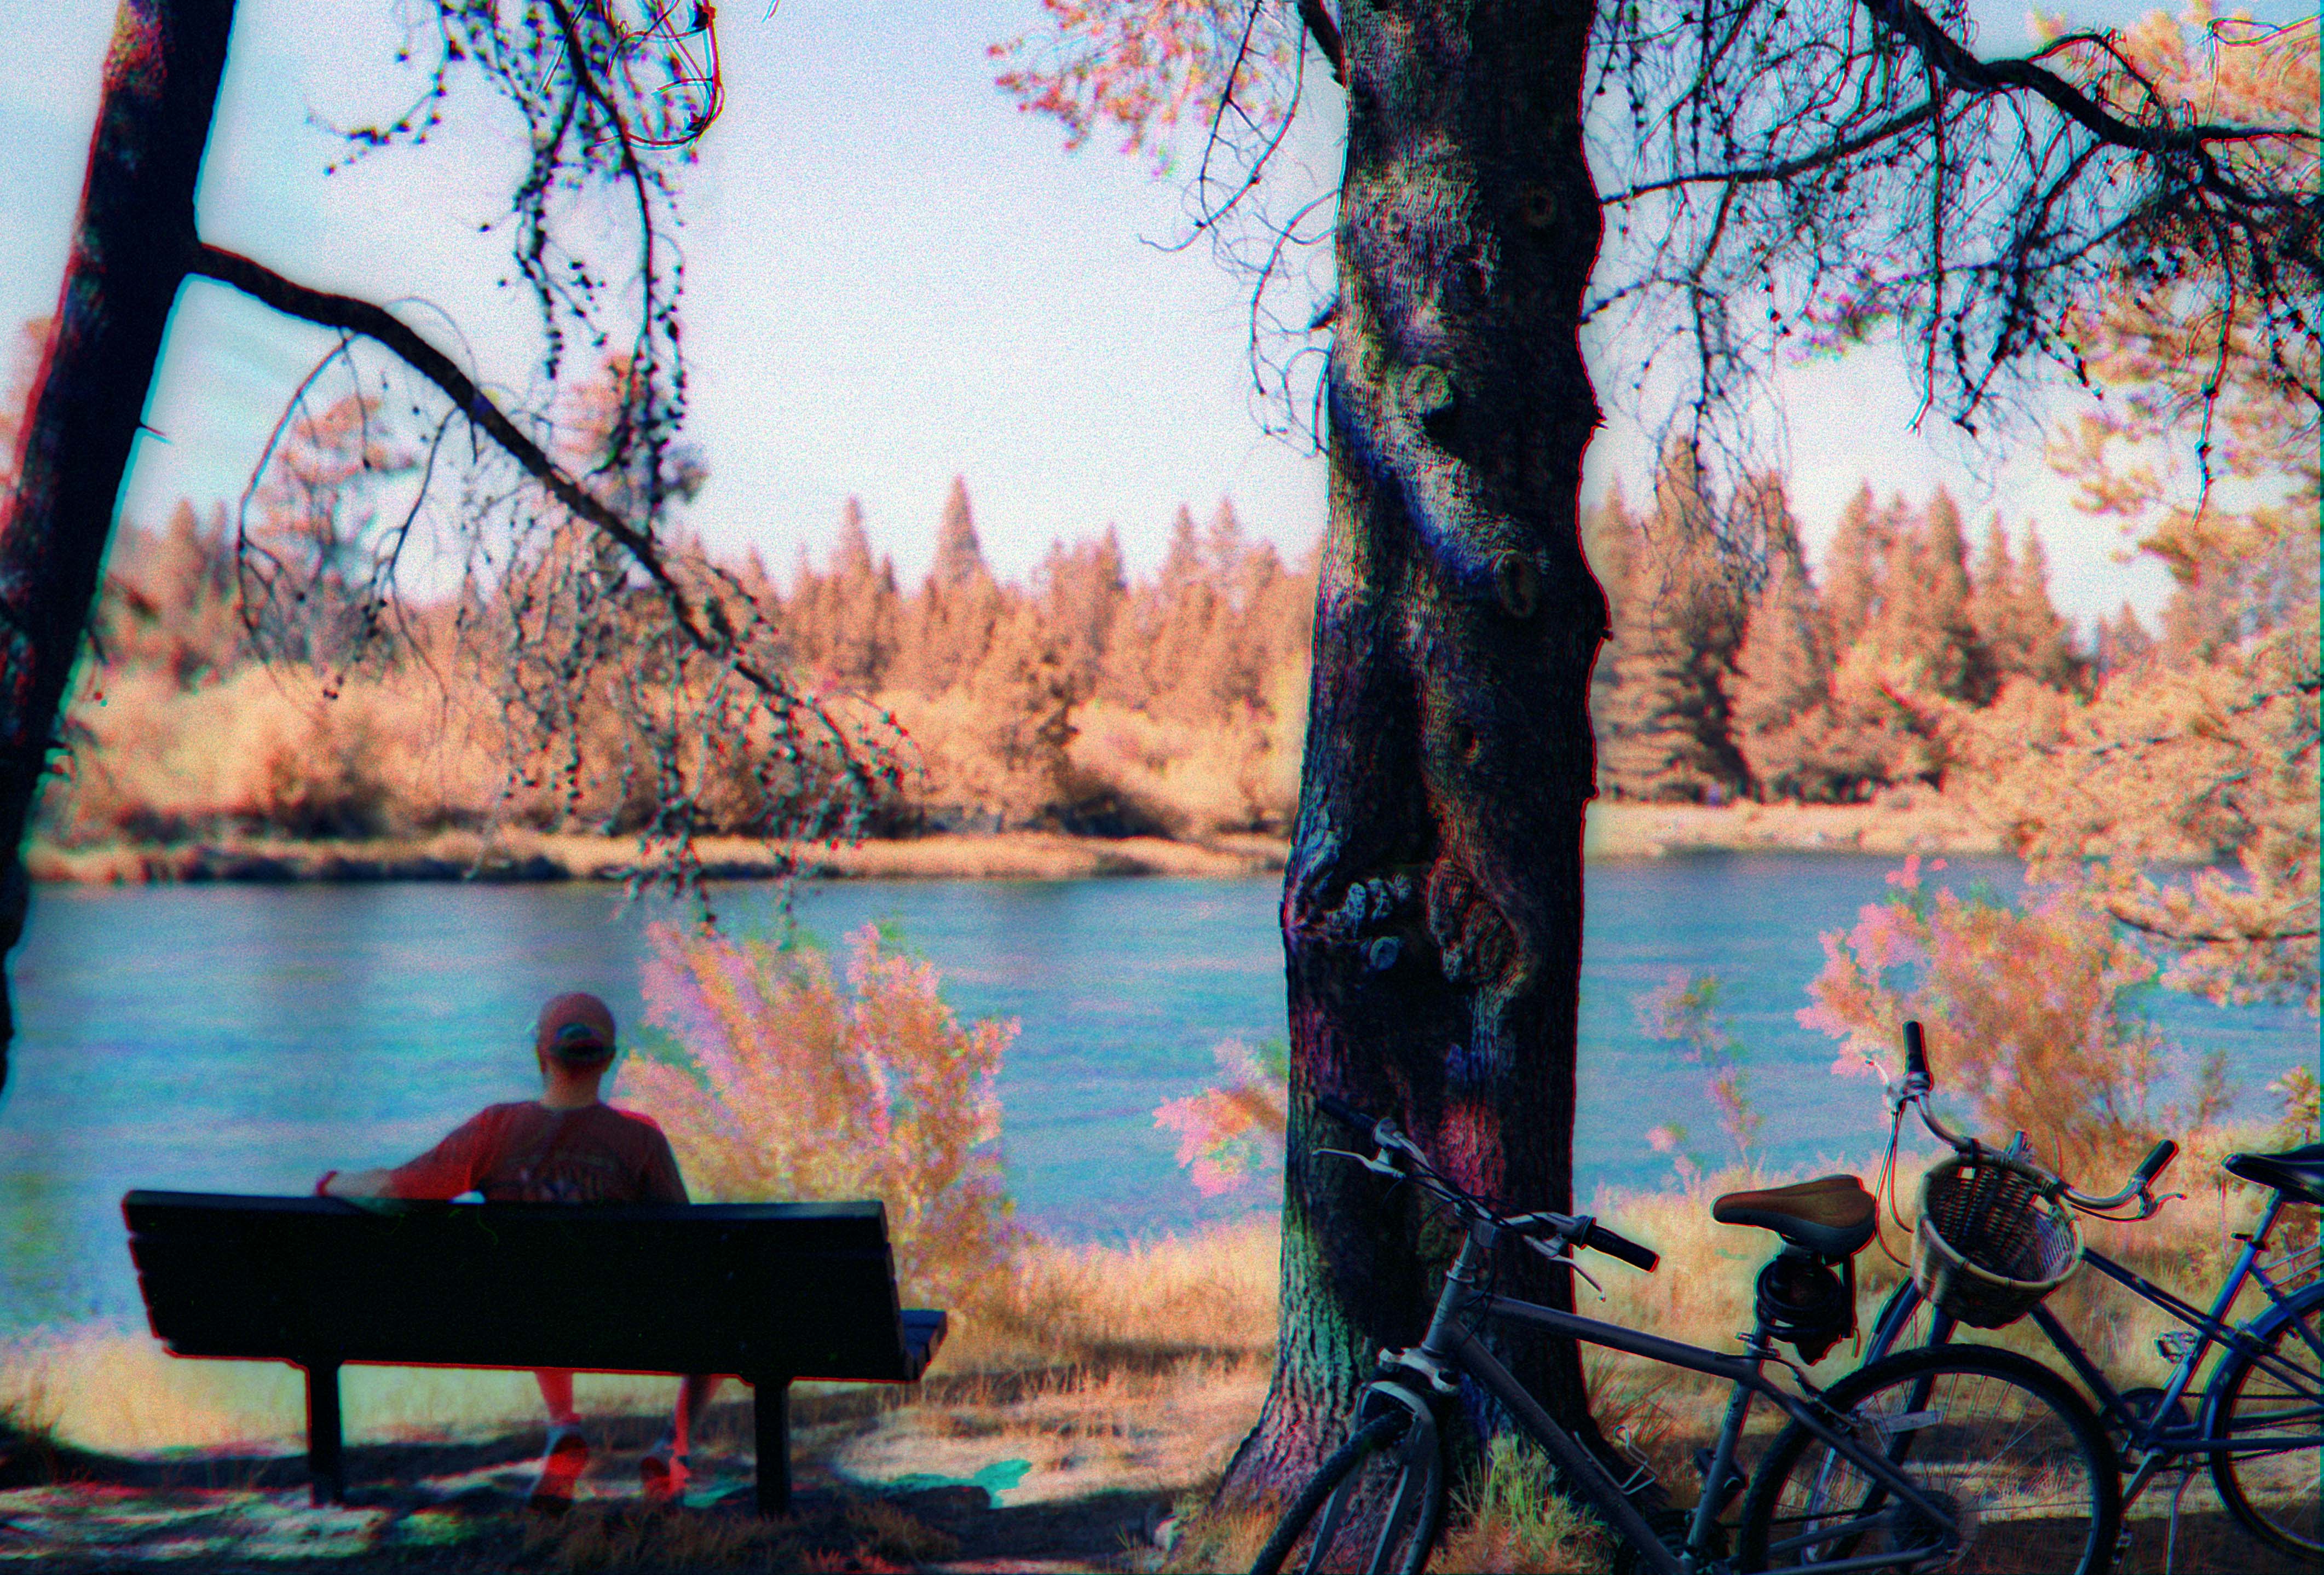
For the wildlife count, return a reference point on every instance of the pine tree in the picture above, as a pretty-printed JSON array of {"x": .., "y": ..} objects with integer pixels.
[
  {"x": 1856, "y": 567},
  {"x": 2122, "y": 646},
  {"x": 1781, "y": 690},
  {"x": 1022, "y": 690},
  {"x": 1183, "y": 655},
  {"x": 949, "y": 623},
  {"x": 1924, "y": 622},
  {"x": 1606, "y": 537},
  {"x": 2048, "y": 639},
  {"x": 2021, "y": 631},
  {"x": 1080, "y": 592},
  {"x": 861, "y": 609},
  {"x": 170, "y": 600},
  {"x": 1674, "y": 643}
]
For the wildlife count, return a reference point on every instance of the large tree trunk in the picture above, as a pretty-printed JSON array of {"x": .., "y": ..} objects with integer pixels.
[
  {"x": 134, "y": 237},
  {"x": 1432, "y": 911}
]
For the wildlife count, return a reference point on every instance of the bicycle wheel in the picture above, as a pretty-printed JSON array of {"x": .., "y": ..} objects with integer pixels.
[
  {"x": 1372, "y": 1507},
  {"x": 2006, "y": 1449},
  {"x": 2269, "y": 1412}
]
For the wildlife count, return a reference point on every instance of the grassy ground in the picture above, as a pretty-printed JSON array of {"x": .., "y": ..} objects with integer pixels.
[{"x": 1101, "y": 1398}]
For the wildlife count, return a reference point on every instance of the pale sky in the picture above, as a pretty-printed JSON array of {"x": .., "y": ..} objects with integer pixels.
[{"x": 892, "y": 278}]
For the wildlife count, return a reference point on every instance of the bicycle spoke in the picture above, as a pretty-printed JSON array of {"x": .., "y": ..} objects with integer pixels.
[
  {"x": 2013, "y": 1467},
  {"x": 2267, "y": 1424}
]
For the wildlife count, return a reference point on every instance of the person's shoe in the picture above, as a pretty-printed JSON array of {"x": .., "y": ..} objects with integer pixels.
[
  {"x": 663, "y": 1475},
  {"x": 561, "y": 1465}
]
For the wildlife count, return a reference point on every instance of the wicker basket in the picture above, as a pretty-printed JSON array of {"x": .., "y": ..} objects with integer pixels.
[{"x": 1992, "y": 1242}]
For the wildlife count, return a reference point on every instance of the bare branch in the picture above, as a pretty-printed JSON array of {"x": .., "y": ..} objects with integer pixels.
[
  {"x": 1326, "y": 34},
  {"x": 1964, "y": 69},
  {"x": 1784, "y": 169}
]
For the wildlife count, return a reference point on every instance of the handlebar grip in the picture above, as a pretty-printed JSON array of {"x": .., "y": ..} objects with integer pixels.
[
  {"x": 1917, "y": 1056},
  {"x": 1347, "y": 1112},
  {"x": 2158, "y": 1160},
  {"x": 1613, "y": 1244}
]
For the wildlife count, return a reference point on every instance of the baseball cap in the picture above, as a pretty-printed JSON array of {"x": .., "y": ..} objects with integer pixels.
[{"x": 575, "y": 1027}]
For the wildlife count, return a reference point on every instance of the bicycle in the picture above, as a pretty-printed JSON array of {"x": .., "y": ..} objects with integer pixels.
[
  {"x": 1961, "y": 1458},
  {"x": 2259, "y": 1427}
]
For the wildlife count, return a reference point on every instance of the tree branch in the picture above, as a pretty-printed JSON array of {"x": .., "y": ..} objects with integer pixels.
[
  {"x": 1326, "y": 34},
  {"x": 2162, "y": 932},
  {"x": 1942, "y": 53},
  {"x": 374, "y": 322},
  {"x": 1784, "y": 170}
]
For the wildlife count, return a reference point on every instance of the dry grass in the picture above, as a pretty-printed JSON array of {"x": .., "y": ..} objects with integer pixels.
[
  {"x": 1043, "y": 856},
  {"x": 112, "y": 1389},
  {"x": 1211, "y": 1294},
  {"x": 1902, "y": 820}
]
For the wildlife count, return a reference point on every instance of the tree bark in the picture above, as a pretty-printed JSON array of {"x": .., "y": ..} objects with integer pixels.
[
  {"x": 1432, "y": 908},
  {"x": 130, "y": 246}
]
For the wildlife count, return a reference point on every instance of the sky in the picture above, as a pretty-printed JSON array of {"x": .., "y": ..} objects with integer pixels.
[{"x": 892, "y": 278}]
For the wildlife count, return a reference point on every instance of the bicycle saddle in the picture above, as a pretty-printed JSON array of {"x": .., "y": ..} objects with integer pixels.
[
  {"x": 1833, "y": 1216},
  {"x": 2297, "y": 1171}
]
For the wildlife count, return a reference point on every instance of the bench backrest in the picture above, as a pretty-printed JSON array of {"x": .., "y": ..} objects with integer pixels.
[{"x": 793, "y": 1290}]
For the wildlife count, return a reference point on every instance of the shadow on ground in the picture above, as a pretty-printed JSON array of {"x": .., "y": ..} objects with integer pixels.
[{"x": 458, "y": 1506}]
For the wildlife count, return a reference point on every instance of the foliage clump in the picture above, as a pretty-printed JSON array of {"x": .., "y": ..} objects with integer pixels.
[
  {"x": 775, "y": 1083},
  {"x": 2029, "y": 1010},
  {"x": 1228, "y": 1130}
]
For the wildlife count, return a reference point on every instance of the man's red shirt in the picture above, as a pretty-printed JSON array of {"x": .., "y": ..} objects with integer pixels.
[{"x": 526, "y": 1153}]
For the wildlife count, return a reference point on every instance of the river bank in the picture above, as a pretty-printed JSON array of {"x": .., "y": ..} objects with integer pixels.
[{"x": 1901, "y": 823}]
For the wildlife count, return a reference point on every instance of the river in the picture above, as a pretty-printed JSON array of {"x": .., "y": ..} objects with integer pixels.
[{"x": 242, "y": 1038}]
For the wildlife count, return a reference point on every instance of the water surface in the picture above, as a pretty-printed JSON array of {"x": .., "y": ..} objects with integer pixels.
[{"x": 242, "y": 1038}]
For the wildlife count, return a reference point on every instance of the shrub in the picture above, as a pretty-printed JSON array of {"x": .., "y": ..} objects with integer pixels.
[
  {"x": 1685, "y": 1012},
  {"x": 2029, "y": 1010},
  {"x": 1224, "y": 1132},
  {"x": 774, "y": 1084}
]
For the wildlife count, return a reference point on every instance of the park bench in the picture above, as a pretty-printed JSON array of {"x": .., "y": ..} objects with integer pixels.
[{"x": 768, "y": 1293}]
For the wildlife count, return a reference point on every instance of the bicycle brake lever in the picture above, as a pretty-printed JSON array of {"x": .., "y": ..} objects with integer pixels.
[
  {"x": 1371, "y": 1162},
  {"x": 1568, "y": 1259}
]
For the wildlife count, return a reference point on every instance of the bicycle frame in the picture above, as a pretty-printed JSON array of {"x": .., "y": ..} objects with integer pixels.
[
  {"x": 1450, "y": 1341},
  {"x": 2160, "y": 1437}
]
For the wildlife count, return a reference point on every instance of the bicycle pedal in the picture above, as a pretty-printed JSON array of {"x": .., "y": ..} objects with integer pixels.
[{"x": 2172, "y": 1345}]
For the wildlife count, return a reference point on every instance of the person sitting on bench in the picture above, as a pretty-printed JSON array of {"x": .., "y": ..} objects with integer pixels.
[{"x": 567, "y": 1146}]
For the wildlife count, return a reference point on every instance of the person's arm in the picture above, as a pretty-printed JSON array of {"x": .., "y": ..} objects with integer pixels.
[
  {"x": 445, "y": 1171},
  {"x": 357, "y": 1183}
]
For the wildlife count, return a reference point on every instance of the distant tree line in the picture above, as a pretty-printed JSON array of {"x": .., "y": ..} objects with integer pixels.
[
  {"x": 1085, "y": 699},
  {"x": 1734, "y": 672}
]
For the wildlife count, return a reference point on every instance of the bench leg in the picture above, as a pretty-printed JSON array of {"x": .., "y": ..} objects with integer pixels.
[
  {"x": 326, "y": 1475},
  {"x": 771, "y": 1416}
]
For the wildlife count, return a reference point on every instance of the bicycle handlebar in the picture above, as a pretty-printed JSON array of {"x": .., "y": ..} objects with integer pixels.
[
  {"x": 1916, "y": 1059},
  {"x": 1614, "y": 1244},
  {"x": 1580, "y": 1230},
  {"x": 1918, "y": 1083}
]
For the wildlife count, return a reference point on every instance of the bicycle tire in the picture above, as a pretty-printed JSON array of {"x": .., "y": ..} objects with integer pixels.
[
  {"x": 1989, "y": 1432},
  {"x": 2278, "y": 1391},
  {"x": 1374, "y": 1466}
]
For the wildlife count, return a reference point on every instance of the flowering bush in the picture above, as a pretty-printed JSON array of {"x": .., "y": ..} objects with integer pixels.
[
  {"x": 1224, "y": 1133},
  {"x": 773, "y": 1085},
  {"x": 2027, "y": 1010}
]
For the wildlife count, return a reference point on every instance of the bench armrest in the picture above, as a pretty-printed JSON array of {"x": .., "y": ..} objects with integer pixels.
[{"x": 923, "y": 1332}]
